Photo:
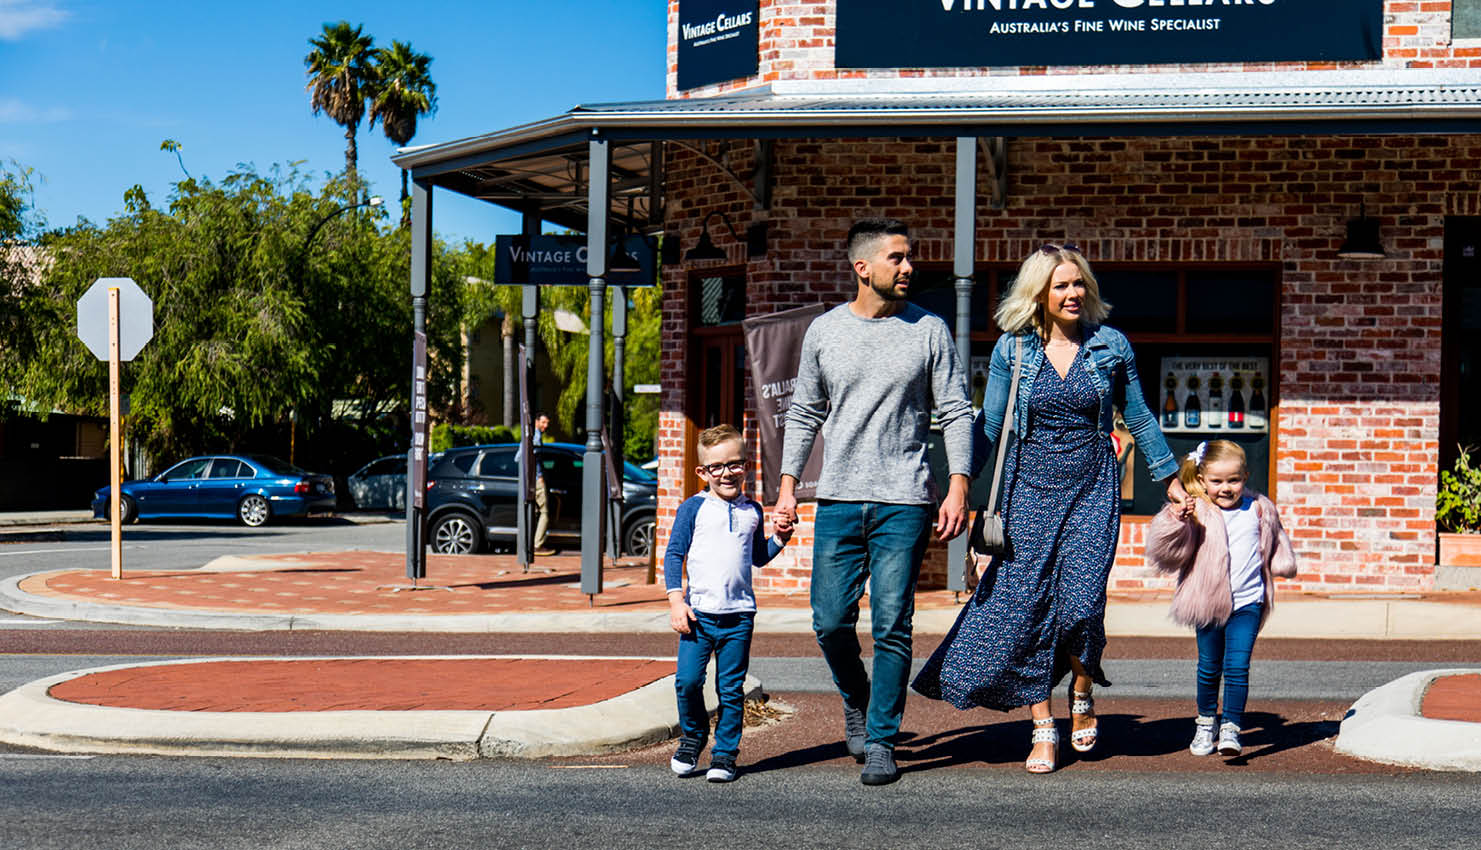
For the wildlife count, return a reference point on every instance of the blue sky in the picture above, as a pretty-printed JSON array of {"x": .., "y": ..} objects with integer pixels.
[{"x": 89, "y": 88}]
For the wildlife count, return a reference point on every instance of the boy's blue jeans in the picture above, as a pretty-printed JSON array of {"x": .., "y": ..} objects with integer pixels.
[
  {"x": 728, "y": 638},
  {"x": 884, "y": 543},
  {"x": 1226, "y": 650}
]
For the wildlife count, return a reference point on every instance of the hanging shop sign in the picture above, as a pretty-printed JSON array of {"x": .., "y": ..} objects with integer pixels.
[
  {"x": 718, "y": 41},
  {"x": 561, "y": 260},
  {"x": 981, "y": 33},
  {"x": 774, "y": 343},
  {"x": 1215, "y": 395}
]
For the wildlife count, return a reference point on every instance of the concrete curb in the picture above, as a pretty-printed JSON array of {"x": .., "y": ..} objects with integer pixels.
[
  {"x": 1367, "y": 618},
  {"x": 1384, "y": 725},
  {"x": 30, "y": 717}
]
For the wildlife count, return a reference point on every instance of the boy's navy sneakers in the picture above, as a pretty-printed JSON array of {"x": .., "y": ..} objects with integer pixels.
[
  {"x": 686, "y": 758},
  {"x": 879, "y": 766},
  {"x": 722, "y": 769},
  {"x": 854, "y": 731}
]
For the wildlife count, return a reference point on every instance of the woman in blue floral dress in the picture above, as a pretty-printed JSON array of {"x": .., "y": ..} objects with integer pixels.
[{"x": 1039, "y": 612}]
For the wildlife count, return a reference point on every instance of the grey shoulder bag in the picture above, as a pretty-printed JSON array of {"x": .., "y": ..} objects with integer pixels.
[{"x": 988, "y": 537}]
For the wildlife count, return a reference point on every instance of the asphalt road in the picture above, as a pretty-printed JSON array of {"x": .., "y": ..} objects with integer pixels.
[
  {"x": 963, "y": 785},
  {"x": 138, "y": 803}
]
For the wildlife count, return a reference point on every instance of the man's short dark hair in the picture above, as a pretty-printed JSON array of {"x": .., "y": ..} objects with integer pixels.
[{"x": 862, "y": 235}]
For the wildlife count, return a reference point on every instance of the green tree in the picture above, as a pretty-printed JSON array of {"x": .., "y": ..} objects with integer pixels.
[
  {"x": 341, "y": 74},
  {"x": 403, "y": 91},
  {"x": 18, "y": 260},
  {"x": 251, "y": 320}
]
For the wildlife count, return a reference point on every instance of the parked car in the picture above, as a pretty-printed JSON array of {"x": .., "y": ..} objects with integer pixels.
[
  {"x": 472, "y": 498},
  {"x": 380, "y": 484},
  {"x": 251, "y": 488}
]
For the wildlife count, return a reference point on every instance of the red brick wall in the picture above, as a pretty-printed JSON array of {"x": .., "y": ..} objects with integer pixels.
[
  {"x": 796, "y": 43},
  {"x": 1356, "y": 443}
]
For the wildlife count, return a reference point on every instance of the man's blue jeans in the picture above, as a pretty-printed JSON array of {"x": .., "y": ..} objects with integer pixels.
[
  {"x": 884, "y": 543},
  {"x": 1226, "y": 650},
  {"x": 728, "y": 638}
]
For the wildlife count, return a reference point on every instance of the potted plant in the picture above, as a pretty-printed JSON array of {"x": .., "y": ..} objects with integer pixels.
[{"x": 1458, "y": 513}]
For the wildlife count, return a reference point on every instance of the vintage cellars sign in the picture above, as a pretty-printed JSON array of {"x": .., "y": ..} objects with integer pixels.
[
  {"x": 718, "y": 41},
  {"x": 980, "y": 33}
]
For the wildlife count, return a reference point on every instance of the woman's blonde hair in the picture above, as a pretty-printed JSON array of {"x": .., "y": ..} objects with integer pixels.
[
  {"x": 1024, "y": 305},
  {"x": 1212, "y": 451}
]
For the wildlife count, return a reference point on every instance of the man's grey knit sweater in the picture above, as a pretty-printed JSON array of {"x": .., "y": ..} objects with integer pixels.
[{"x": 869, "y": 385}]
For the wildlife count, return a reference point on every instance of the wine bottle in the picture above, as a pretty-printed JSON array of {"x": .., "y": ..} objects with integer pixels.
[
  {"x": 1192, "y": 410},
  {"x": 1257, "y": 417},
  {"x": 1236, "y": 401},
  {"x": 1170, "y": 406},
  {"x": 1215, "y": 401}
]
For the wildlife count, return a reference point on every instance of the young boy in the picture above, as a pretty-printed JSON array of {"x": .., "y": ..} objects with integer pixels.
[{"x": 718, "y": 534}]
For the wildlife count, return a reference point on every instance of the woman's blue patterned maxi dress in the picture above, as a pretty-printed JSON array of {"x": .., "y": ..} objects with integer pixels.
[{"x": 1045, "y": 601}]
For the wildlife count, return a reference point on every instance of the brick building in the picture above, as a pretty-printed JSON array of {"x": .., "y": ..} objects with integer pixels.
[{"x": 1221, "y": 204}]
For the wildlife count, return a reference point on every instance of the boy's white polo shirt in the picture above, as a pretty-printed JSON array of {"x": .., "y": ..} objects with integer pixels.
[{"x": 717, "y": 540}]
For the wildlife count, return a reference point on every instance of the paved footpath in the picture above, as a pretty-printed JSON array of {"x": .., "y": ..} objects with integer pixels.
[{"x": 435, "y": 706}]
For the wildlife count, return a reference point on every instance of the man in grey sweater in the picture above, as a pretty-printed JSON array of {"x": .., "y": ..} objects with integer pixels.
[{"x": 872, "y": 371}]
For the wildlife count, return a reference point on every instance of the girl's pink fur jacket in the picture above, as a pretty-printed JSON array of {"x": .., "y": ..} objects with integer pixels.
[{"x": 1199, "y": 553}]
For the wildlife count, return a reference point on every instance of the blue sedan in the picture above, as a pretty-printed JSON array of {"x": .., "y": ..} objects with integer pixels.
[{"x": 251, "y": 488}]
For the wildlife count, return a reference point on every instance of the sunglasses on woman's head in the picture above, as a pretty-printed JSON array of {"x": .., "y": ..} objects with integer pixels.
[{"x": 1051, "y": 248}]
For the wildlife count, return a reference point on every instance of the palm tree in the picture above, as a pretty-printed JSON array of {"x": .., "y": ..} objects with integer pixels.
[
  {"x": 403, "y": 91},
  {"x": 340, "y": 76}
]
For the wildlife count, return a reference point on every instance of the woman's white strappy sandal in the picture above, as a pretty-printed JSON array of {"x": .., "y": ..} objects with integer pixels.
[
  {"x": 1044, "y": 733},
  {"x": 1083, "y": 740}
]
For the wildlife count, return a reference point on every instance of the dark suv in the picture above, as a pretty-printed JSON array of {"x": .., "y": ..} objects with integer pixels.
[{"x": 472, "y": 493}]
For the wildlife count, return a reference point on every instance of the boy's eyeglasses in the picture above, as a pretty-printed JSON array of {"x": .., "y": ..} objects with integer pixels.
[
  {"x": 721, "y": 468},
  {"x": 1051, "y": 248}
]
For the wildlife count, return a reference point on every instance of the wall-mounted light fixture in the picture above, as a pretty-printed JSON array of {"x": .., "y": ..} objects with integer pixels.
[
  {"x": 1362, "y": 238},
  {"x": 706, "y": 249}
]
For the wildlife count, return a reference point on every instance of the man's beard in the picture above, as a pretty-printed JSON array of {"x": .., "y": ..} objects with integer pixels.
[{"x": 888, "y": 292}]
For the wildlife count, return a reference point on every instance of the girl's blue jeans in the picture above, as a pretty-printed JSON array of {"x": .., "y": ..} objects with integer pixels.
[
  {"x": 1225, "y": 650},
  {"x": 728, "y": 638},
  {"x": 855, "y": 542}
]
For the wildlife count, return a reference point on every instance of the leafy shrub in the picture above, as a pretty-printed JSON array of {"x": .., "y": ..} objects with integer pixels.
[
  {"x": 445, "y": 436},
  {"x": 1458, "y": 503}
]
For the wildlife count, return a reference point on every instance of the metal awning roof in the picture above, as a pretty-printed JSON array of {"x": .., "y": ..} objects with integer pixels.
[{"x": 544, "y": 162}]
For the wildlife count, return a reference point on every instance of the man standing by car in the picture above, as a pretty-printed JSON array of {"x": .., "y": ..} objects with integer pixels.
[
  {"x": 542, "y": 494},
  {"x": 871, "y": 372}
]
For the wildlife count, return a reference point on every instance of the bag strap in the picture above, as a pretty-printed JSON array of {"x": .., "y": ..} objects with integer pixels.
[{"x": 997, "y": 472}]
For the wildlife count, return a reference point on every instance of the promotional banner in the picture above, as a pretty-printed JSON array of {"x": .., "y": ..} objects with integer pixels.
[
  {"x": 980, "y": 33},
  {"x": 718, "y": 41},
  {"x": 561, "y": 260},
  {"x": 1214, "y": 395},
  {"x": 774, "y": 348}
]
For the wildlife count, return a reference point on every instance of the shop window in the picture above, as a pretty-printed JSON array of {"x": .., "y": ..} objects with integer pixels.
[
  {"x": 1141, "y": 301},
  {"x": 934, "y": 288},
  {"x": 1232, "y": 301},
  {"x": 1465, "y": 19},
  {"x": 719, "y": 300}
]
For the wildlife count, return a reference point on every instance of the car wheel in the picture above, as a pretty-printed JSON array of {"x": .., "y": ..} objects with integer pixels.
[
  {"x": 253, "y": 511},
  {"x": 128, "y": 511},
  {"x": 637, "y": 541},
  {"x": 456, "y": 534}
]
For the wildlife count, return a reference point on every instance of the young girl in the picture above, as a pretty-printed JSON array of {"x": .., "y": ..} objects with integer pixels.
[{"x": 1225, "y": 542}]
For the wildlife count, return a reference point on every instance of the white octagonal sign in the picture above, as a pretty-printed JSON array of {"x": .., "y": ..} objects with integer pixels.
[{"x": 135, "y": 317}]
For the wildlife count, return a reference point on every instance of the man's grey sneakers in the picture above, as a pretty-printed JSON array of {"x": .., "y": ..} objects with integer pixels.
[
  {"x": 1229, "y": 740},
  {"x": 853, "y": 731},
  {"x": 879, "y": 766},
  {"x": 722, "y": 769},
  {"x": 1203, "y": 737},
  {"x": 686, "y": 758}
]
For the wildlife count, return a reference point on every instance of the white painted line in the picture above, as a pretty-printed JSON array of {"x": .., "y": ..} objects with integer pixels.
[{"x": 60, "y": 551}]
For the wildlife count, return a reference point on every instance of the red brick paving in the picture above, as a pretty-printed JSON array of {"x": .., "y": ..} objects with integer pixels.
[
  {"x": 1453, "y": 698},
  {"x": 365, "y": 684}
]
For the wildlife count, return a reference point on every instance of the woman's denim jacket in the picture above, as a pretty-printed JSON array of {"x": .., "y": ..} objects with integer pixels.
[{"x": 1114, "y": 367}]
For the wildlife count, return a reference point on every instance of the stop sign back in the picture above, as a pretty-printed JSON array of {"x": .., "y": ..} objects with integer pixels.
[{"x": 135, "y": 317}]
